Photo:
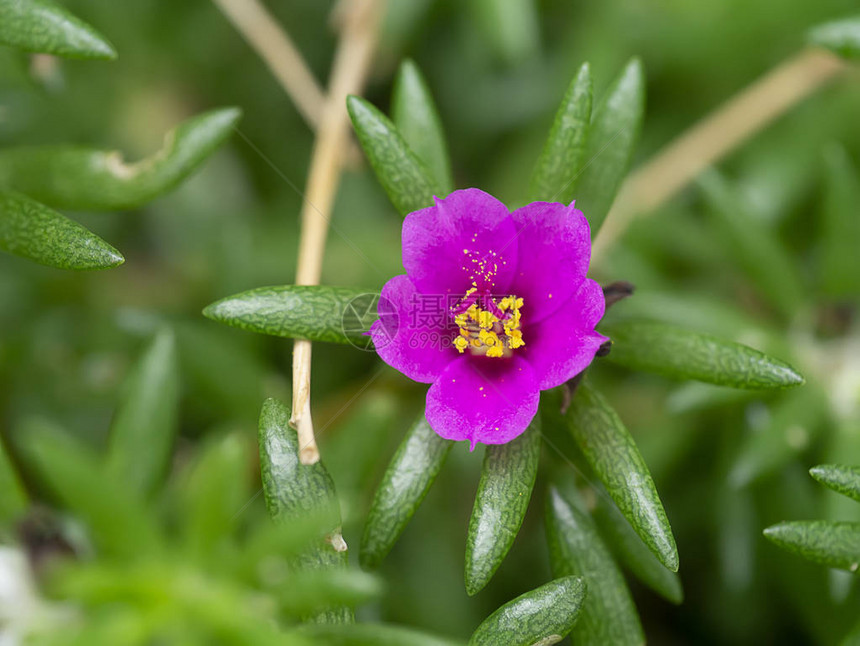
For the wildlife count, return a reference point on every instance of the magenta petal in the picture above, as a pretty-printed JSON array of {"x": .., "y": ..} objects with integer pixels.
[
  {"x": 409, "y": 335},
  {"x": 563, "y": 344},
  {"x": 554, "y": 251},
  {"x": 467, "y": 236},
  {"x": 483, "y": 400}
]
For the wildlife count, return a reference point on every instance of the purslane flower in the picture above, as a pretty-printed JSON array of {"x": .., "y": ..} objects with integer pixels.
[{"x": 494, "y": 308}]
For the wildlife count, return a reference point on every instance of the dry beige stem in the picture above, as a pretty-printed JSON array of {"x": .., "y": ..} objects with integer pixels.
[
  {"x": 350, "y": 69},
  {"x": 714, "y": 136}
]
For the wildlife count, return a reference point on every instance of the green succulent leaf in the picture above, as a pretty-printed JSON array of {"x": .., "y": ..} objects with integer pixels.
[
  {"x": 504, "y": 491},
  {"x": 543, "y": 616},
  {"x": 840, "y": 237},
  {"x": 633, "y": 554},
  {"x": 416, "y": 117},
  {"x": 120, "y": 525},
  {"x": 840, "y": 36},
  {"x": 372, "y": 635},
  {"x": 842, "y": 479},
  {"x": 509, "y": 27},
  {"x": 402, "y": 174},
  {"x": 610, "y": 450},
  {"x": 73, "y": 177},
  {"x": 314, "y": 312},
  {"x": 32, "y": 230},
  {"x": 681, "y": 354},
  {"x": 307, "y": 592},
  {"x": 43, "y": 26},
  {"x": 406, "y": 481},
  {"x": 834, "y": 544},
  {"x": 612, "y": 138},
  {"x": 13, "y": 499},
  {"x": 608, "y": 615},
  {"x": 146, "y": 421},
  {"x": 556, "y": 173}
]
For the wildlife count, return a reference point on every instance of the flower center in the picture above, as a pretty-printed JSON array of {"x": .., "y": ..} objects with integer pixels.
[{"x": 488, "y": 328}]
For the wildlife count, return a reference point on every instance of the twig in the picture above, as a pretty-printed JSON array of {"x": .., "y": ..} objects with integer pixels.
[
  {"x": 714, "y": 136},
  {"x": 349, "y": 71}
]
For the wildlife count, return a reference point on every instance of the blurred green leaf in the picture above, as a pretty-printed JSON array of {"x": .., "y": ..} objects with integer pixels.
[
  {"x": 72, "y": 177},
  {"x": 842, "y": 479},
  {"x": 555, "y": 175},
  {"x": 839, "y": 36},
  {"x": 612, "y": 453},
  {"x": 633, "y": 554},
  {"x": 833, "y": 544},
  {"x": 612, "y": 138},
  {"x": 372, "y": 635},
  {"x": 13, "y": 496},
  {"x": 681, "y": 354},
  {"x": 416, "y": 117},
  {"x": 121, "y": 526},
  {"x": 404, "y": 177},
  {"x": 544, "y": 615},
  {"x": 406, "y": 481},
  {"x": 608, "y": 615},
  {"x": 311, "y": 591},
  {"x": 840, "y": 235},
  {"x": 145, "y": 424},
  {"x": 32, "y": 230},
  {"x": 44, "y": 26},
  {"x": 510, "y": 27},
  {"x": 753, "y": 246},
  {"x": 507, "y": 478},
  {"x": 315, "y": 312}
]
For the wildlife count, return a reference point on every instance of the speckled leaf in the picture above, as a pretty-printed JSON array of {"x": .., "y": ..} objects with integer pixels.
[
  {"x": 633, "y": 554},
  {"x": 612, "y": 453},
  {"x": 315, "y": 312},
  {"x": 611, "y": 139},
  {"x": 73, "y": 177},
  {"x": 404, "y": 177},
  {"x": 32, "y": 230},
  {"x": 504, "y": 491},
  {"x": 842, "y": 479},
  {"x": 840, "y": 235},
  {"x": 145, "y": 423},
  {"x": 608, "y": 615},
  {"x": 43, "y": 26},
  {"x": 295, "y": 491},
  {"x": 416, "y": 117},
  {"x": 681, "y": 354},
  {"x": 839, "y": 36},
  {"x": 834, "y": 544},
  {"x": 13, "y": 496},
  {"x": 406, "y": 481},
  {"x": 372, "y": 635},
  {"x": 542, "y": 616},
  {"x": 558, "y": 168}
]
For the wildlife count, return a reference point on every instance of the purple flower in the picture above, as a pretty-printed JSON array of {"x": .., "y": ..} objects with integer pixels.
[{"x": 494, "y": 308}]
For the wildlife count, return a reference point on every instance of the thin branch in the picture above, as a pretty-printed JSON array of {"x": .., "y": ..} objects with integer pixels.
[
  {"x": 350, "y": 68},
  {"x": 716, "y": 135}
]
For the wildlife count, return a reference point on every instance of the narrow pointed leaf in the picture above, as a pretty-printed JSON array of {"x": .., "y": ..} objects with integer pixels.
[
  {"x": 314, "y": 312},
  {"x": 633, "y": 554},
  {"x": 43, "y": 26},
  {"x": 404, "y": 177},
  {"x": 612, "y": 453},
  {"x": 556, "y": 173},
  {"x": 416, "y": 117},
  {"x": 504, "y": 491},
  {"x": 406, "y": 481},
  {"x": 611, "y": 140},
  {"x": 608, "y": 615},
  {"x": 840, "y": 36},
  {"x": 842, "y": 479},
  {"x": 72, "y": 177},
  {"x": 372, "y": 635},
  {"x": 840, "y": 237},
  {"x": 145, "y": 424},
  {"x": 681, "y": 354},
  {"x": 119, "y": 524},
  {"x": 834, "y": 544},
  {"x": 32, "y": 230},
  {"x": 295, "y": 491},
  {"x": 509, "y": 27},
  {"x": 13, "y": 496},
  {"x": 544, "y": 616}
]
